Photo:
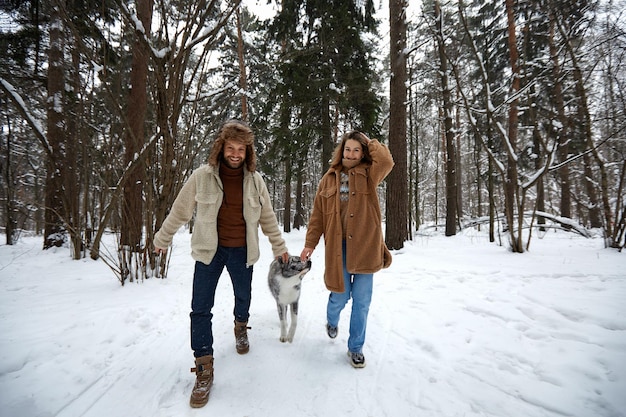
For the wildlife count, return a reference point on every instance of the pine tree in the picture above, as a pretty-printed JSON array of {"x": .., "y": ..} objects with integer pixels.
[{"x": 397, "y": 230}]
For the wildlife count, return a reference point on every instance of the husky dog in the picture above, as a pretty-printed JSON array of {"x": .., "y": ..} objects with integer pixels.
[{"x": 285, "y": 280}]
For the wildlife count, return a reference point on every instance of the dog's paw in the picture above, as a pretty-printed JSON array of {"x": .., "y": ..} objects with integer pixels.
[{"x": 284, "y": 339}]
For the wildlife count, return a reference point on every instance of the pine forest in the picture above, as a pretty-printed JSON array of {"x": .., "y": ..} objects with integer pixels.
[{"x": 509, "y": 116}]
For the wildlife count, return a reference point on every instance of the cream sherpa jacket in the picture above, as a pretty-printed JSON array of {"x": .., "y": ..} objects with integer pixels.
[{"x": 203, "y": 193}]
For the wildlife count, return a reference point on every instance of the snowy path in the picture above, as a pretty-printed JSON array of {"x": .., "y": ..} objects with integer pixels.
[{"x": 458, "y": 327}]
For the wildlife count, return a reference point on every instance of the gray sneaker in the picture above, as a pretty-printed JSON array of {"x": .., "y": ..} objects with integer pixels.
[
  {"x": 331, "y": 331},
  {"x": 357, "y": 359}
]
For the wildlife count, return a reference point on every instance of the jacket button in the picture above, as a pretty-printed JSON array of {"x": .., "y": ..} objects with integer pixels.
[{"x": 351, "y": 214}]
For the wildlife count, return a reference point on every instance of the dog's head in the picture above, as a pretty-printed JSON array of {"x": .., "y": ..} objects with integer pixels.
[{"x": 294, "y": 266}]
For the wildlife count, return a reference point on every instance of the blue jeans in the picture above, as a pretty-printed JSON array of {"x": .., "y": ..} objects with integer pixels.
[
  {"x": 205, "y": 279},
  {"x": 359, "y": 288}
]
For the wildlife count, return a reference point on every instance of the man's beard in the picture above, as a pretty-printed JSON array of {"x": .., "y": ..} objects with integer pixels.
[{"x": 231, "y": 165}]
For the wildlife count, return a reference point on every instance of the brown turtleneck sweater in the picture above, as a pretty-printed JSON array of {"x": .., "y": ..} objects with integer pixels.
[{"x": 231, "y": 227}]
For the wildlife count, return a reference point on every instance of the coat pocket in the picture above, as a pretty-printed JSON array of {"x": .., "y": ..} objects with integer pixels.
[
  {"x": 207, "y": 207},
  {"x": 328, "y": 192},
  {"x": 361, "y": 182},
  {"x": 329, "y": 200},
  {"x": 254, "y": 210}
]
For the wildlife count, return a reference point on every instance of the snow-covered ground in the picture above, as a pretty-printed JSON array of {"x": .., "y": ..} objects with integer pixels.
[{"x": 458, "y": 327}]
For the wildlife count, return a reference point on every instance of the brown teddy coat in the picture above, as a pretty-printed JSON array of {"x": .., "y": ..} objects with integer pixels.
[{"x": 366, "y": 251}]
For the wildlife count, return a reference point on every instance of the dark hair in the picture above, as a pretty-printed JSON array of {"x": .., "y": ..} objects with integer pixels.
[
  {"x": 354, "y": 135},
  {"x": 239, "y": 132}
]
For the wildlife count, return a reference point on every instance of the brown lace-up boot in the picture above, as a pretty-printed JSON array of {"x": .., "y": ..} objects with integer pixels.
[
  {"x": 241, "y": 337},
  {"x": 204, "y": 381}
]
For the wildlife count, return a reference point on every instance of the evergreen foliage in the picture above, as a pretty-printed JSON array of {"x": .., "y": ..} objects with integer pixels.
[{"x": 313, "y": 71}]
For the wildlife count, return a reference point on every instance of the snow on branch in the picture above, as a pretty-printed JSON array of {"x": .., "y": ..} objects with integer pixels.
[
  {"x": 30, "y": 119},
  {"x": 565, "y": 223}
]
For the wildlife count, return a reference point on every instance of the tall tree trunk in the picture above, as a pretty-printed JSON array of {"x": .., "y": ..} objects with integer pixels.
[
  {"x": 396, "y": 208},
  {"x": 479, "y": 181},
  {"x": 451, "y": 160},
  {"x": 585, "y": 118},
  {"x": 327, "y": 137},
  {"x": 134, "y": 140},
  {"x": 491, "y": 194},
  {"x": 437, "y": 169},
  {"x": 55, "y": 232},
  {"x": 619, "y": 231},
  {"x": 74, "y": 140},
  {"x": 287, "y": 200},
  {"x": 414, "y": 166},
  {"x": 298, "y": 218},
  {"x": 538, "y": 150},
  {"x": 491, "y": 197},
  {"x": 511, "y": 194},
  {"x": 458, "y": 169},
  {"x": 593, "y": 204},
  {"x": 88, "y": 199},
  {"x": 243, "y": 83},
  {"x": 564, "y": 140},
  {"x": 10, "y": 223}
]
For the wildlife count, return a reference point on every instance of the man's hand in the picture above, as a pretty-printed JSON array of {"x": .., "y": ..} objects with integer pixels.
[
  {"x": 159, "y": 251},
  {"x": 284, "y": 257}
]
